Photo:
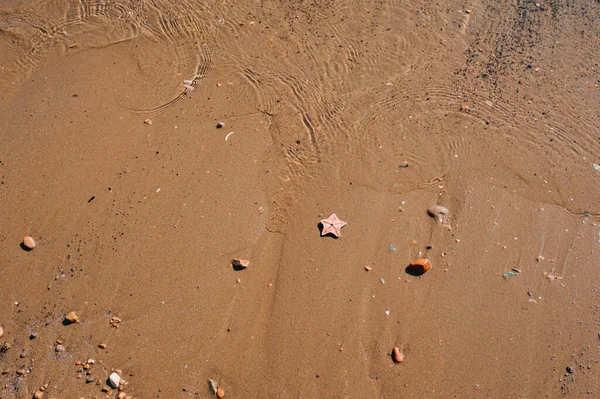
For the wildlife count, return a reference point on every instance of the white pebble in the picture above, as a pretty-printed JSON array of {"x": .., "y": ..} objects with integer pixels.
[{"x": 114, "y": 380}]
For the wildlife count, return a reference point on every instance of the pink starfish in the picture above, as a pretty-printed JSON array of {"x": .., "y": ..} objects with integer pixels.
[{"x": 332, "y": 225}]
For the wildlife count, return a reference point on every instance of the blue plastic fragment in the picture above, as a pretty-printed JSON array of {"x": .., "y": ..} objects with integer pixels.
[
  {"x": 509, "y": 274},
  {"x": 391, "y": 247}
]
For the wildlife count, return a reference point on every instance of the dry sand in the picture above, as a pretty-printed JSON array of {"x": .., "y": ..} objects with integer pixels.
[{"x": 375, "y": 111}]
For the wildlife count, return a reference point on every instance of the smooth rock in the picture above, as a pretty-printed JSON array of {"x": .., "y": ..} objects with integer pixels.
[
  {"x": 59, "y": 348},
  {"x": 121, "y": 395},
  {"x": 1, "y": 331},
  {"x": 220, "y": 393},
  {"x": 114, "y": 379},
  {"x": 72, "y": 317},
  {"x": 29, "y": 242},
  {"x": 38, "y": 395}
]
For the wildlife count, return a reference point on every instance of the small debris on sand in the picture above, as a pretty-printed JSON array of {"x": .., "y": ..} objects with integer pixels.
[
  {"x": 115, "y": 321},
  {"x": 1, "y": 331},
  {"x": 148, "y": 121},
  {"x": 220, "y": 125},
  {"x": 368, "y": 268},
  {"x": 102, "y": 346},
  {"x": 220, "y": 393},
  {"x": 29, "y": 243}
]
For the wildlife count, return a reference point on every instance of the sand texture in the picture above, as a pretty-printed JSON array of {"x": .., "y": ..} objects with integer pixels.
[{"x": 172, "y": 161}]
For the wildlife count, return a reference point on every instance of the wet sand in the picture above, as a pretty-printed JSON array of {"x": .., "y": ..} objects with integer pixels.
[{"x": 112, "y": 161}]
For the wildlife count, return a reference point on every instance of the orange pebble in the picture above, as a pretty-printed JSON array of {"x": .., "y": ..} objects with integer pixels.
[
  {"x": 29, "y": 243},
  {"x": 397, "y": 355},
  {"x": 420, "y": 266},
  {"x": 412, "y": 242},
  {"x": 220, "y": 393}
]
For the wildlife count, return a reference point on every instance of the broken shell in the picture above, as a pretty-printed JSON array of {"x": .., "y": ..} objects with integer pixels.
[
  {"x": 419, "y": 266},
  {"x": 397, "y": 355},
  {"x": 29, "y": 243},
  {"x": 240, "y": 263},
  {"x": 220, "y": 393},
  {"x": 440, "y": 213},
  {"x": 72, "y": 317},
  {"x": 214, "y": 385}
]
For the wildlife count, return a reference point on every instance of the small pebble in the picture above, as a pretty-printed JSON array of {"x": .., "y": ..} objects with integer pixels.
[
  {"x": 220, "y": 125},
  {"x": 121, "y": 395},
  {"x": 38, "y": 395},
  {"x": 240, "y": 263},
  {"x": 420, "y": 266},
  {"x": 32, "y": 336},
  {"x": 29, "y": 243},
  {"x": 114, "y": 379},
  {"x": 22, "y": 355},
  {"x": 102, "y": 346},
  {"x": 72, "y": 317},
  {"x": 21, "y": 372},
  {"x": 59, "y": 348},
  {"x": 570, "y": 370},
  {"x": 368, "y": 268},
  {"x": 220, "y": 393},
  {"x": 148, "y": 121},
  {"x": 1, "y": 331},
  {"x": 397, "y": 355},
  {"x": 89, "y": 380}
]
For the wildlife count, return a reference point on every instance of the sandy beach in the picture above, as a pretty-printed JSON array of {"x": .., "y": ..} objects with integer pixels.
[{"x": 172, "y": 166}]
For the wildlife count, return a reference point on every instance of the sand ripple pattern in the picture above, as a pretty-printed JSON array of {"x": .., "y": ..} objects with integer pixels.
[{"x": 335, "y": 77}]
